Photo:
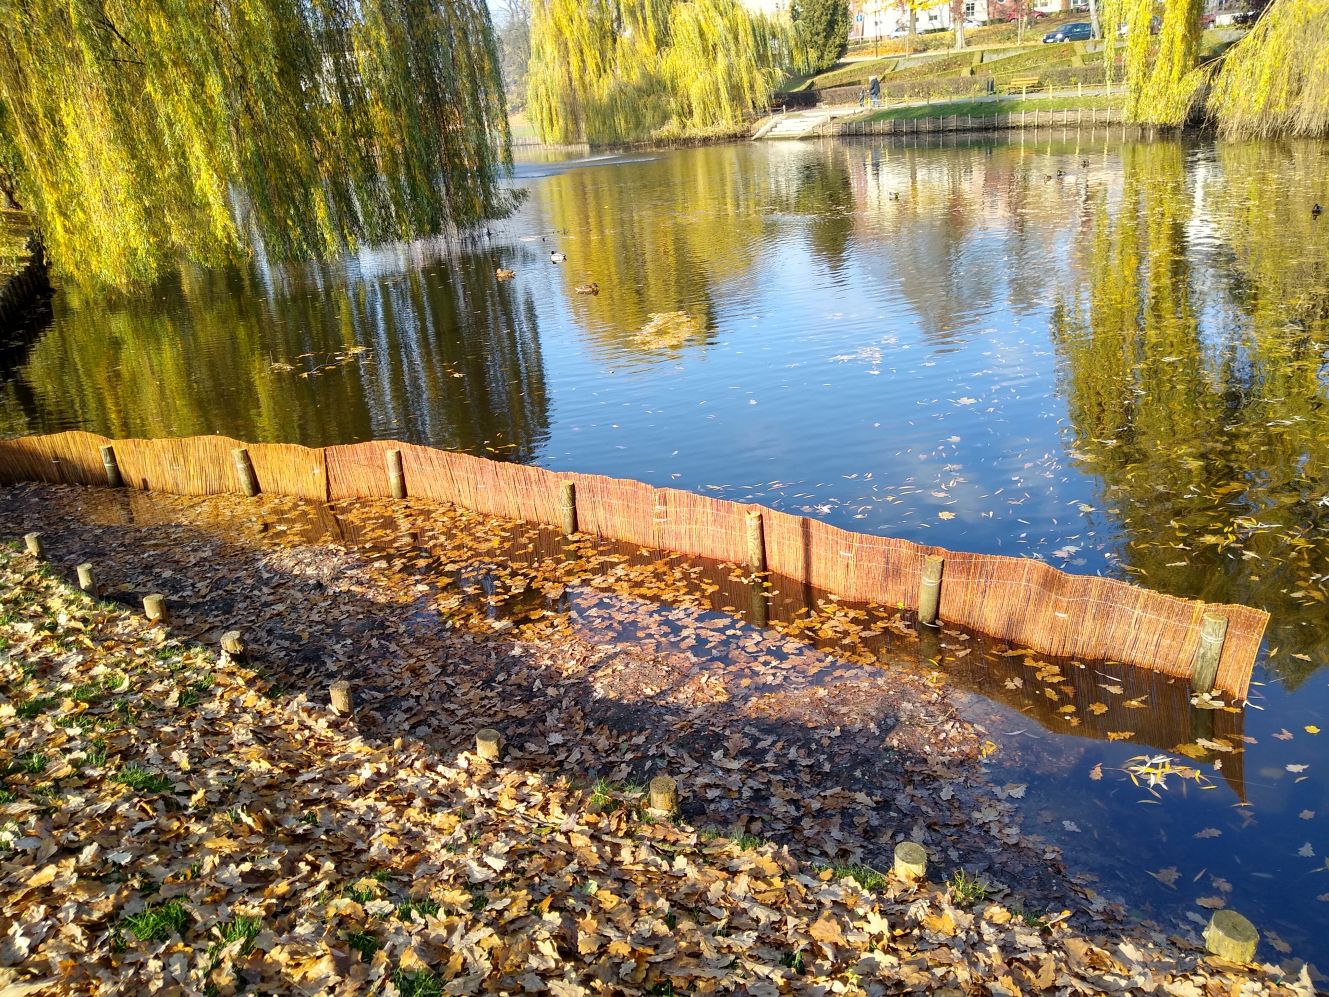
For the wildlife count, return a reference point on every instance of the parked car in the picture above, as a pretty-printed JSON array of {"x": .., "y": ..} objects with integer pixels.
[
  {"x": 1033, "y": 15},
  {"x": 1077, "y": 31}
]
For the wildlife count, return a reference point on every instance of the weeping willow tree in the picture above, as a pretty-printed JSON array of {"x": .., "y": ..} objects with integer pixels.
[
  {"x": 1162, "y": 75},
  {"x": 1274, "y": 81},
  {"x": 150, "y": 129},
  {"x": 606, "y": 71}
]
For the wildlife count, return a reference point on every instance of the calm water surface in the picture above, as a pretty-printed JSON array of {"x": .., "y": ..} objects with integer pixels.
[{"x": 1107, "y": 354}]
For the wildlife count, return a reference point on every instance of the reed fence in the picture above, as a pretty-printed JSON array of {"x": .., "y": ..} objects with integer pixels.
[{"x": 1020, "y": 600}]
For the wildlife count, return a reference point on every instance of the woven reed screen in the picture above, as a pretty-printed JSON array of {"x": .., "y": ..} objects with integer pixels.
[{"x": 1015, "y": 599}]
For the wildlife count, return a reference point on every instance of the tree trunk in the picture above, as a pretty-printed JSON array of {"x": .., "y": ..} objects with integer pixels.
[
  {"x": 913, "y": 28},
  {"x": 959, "y": 31},
  {"x": 1096, "y": 29}
]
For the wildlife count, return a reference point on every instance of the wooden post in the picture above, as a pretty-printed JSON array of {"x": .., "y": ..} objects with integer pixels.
[
  {"x": 233, "y": 644},
  {"x": 664, "y": 794},
  {"x": 911, "y": 861},
  {"x": 87, "y": 581},
  {"x": 756, "y": 528},
  {"x": 567, "y": 507},
  {"x": 396, "y": 476},
  {"x": 1230, "y": 936},
  {"x": 1204, "y": 669},
  {"x": 488, "y": 744},
  {"x": 339, "y": 693},
  {"x": 154, "y": 608},
  {"x": 929, "y": 590},
  {"x": 761, "y": 609},
  {"x": 244, "y": 467},
  {"x": 33, "y": 542},
  {"x": 114, "y": 478}
]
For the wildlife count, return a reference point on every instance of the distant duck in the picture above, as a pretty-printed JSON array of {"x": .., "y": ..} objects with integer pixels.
[
  {"x": 556, "y": 257},
  {"x": 1047, "y": 177},
  {"x": 895, "y": 195},
  {"x": 1061, "y": 173},
  {"x": 503, "y": 274},
  {"x": 1315, "y": 211},
  {"x": 1084, "y": 164},
  {"x": 591, "y": 288}
]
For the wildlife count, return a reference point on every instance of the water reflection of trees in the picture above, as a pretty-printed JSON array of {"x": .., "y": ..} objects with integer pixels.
[
  {"x": 452, "y": 359},
  {"x": 1193, "y": 358}
]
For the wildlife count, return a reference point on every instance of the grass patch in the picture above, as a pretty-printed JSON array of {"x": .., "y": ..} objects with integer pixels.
[
  {"x": 423, "y": 906},
  {"x": 424, "y": 983},
  {"x": 142, "y": 781},
  {"x": 32, "y": 763},
  {"x": 990, "y": 108},
  {"x": 966, "y": 890},
  {"x": 34, "y": 707},
  {"x": 159, "y": 922},
  {"x": 238, "y": 929},
  {"x": 864, "y": 876},
  {"x": 364, "y": 943}
]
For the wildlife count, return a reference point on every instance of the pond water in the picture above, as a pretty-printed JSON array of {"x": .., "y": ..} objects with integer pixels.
[{"x": 1106, "y": 353}]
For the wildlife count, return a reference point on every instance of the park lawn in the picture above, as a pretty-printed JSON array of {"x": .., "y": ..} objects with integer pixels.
[{"x": 989, "y": 108}]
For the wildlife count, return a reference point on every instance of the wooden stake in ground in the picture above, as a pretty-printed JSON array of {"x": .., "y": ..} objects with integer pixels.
[
  {"x": 340, "y": 695},
  {"x": 113, "y": 477},
  {"x": 244, "y": 469},
  {"x": 154, "y": 608},
  {"x": 664, "y": 795},
  {"x": 396, "y": 474},
  {"x": 929, "y": 590},
  {"x": 1230, "y": 936},
  {"x": 488, "y": 744},
  {"x": 233, "y": 643},
  {"x": 33, "y": 542},
  {"x": 87, "y": 579},
  {"x": 756, "y": 536},
  {"x": 911, "y": 861},
  {"x": 567, "y": 507}
]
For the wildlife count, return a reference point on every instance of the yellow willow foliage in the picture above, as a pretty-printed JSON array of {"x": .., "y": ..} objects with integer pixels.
[
  {"x": 1162, "y": 75},
  {"x": 146, "y": 130},
  {"x": 1275, "y": 81},
  {"x": 608, "y": 71}
]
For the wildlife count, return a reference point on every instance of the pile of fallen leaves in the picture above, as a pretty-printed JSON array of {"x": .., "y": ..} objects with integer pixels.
[{"x": 172, "y": 824}]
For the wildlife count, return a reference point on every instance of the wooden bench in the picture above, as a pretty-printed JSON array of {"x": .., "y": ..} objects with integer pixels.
[{"x": 1022, "y": 83}]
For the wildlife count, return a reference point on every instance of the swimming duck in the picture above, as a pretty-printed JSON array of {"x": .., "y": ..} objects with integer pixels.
[
  {"x": 591, "y": 288},
  {"x": 503, "y": 274},
  {"x": 1315, "y": 211},
  {"x": 556, "y": 257}
]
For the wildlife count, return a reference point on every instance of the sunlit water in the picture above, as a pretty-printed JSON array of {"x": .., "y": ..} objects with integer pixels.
[{"x": 1106, "y": 354}]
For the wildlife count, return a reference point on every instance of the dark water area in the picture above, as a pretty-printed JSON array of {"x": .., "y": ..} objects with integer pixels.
[{"x": 1107, "y": 354}]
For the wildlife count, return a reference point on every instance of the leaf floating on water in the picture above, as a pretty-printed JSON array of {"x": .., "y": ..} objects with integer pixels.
[
  {"x": 1168, "y": 877},
  {"x": 1312, "y": 729},
  {"x": 1307, "y": 815},
  {"x": 1213, "y": 903},
  {"x": 1296, "y": 769},
  {"x": 1306, "y": 851},
  {"x": 1208, "y": 832},
  {"x": 1096, "y": 773},
  {"x": 1120, "y": 735},
  {"x": 1284, "y": 735}
]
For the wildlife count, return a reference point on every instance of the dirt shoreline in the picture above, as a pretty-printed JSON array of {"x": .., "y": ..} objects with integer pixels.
[{"x": 446, "y": 622}]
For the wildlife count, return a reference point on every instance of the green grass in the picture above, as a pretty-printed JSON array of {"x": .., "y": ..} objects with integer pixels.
[
  {"x": 989, "y": 108},
  {"x": 159, "y": 922},
  {"x": 425, "y": 983},
  {"x": 966, "y": 890},
  {"x": 423, "y": 906},
  {"x": 239, "y": 929},
  {"x": 34, "y": 707},
  {"x": 142, "y": 781},
  {"x": 363, "y": 942},
  {"x": 865, "y": 876},
  {"x": 32, "y": 763}
]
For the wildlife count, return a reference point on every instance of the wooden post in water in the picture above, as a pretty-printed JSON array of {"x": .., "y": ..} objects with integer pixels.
[
  {"x": 567, "y": 507},
  {"x": 1204, "y": 669},
  {"x": 1230, "y": 936},
  {"x": 33, "y": 542},
  {"x": 114, "y": 479},
  {"x": 929, "y": 590},
  {"x": 154, "y": 608},
  {"x": 756, "y": 530},
  {"x": 244, "y": 467},
  {"x": 87, "y": 580},
  {"x": 664, "y": 795},
  {"x": 396, "y": 476}
]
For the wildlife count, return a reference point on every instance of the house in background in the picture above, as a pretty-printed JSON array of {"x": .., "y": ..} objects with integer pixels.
[{"x": 871, "y": 20}]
